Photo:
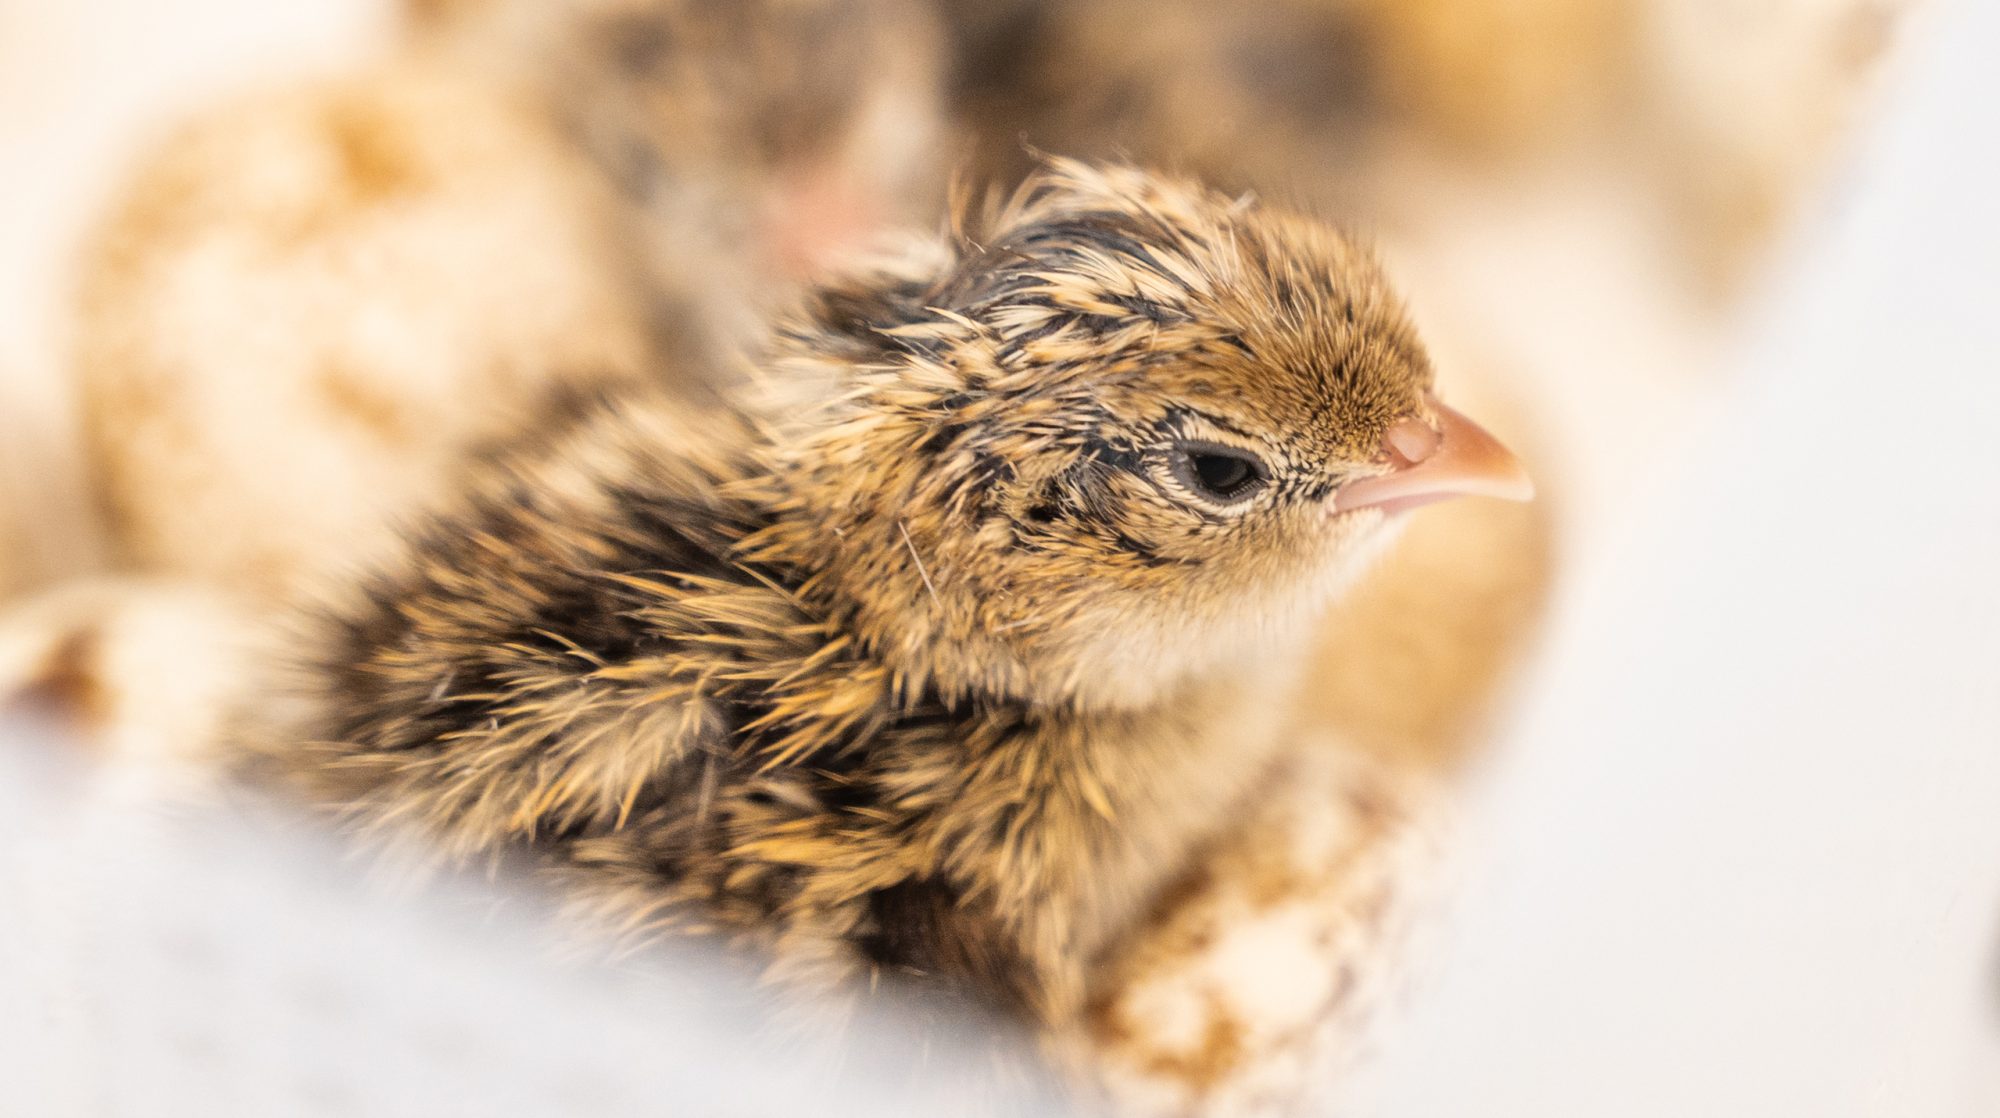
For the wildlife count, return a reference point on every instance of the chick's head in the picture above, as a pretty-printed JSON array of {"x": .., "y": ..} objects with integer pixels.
[{"x": 1129, "y": 432}]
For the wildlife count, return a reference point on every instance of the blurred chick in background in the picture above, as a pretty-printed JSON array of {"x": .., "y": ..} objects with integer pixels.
[
  {"x": 1729, "y": 109},
  {"x": 795, "y": 129},
  {"x": 313, "y": 302}
]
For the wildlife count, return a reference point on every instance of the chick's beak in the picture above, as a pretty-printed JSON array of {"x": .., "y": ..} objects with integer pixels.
[{"x": 1455, "y": 458}]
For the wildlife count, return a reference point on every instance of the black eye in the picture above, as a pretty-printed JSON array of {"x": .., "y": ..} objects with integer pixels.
[{"x": 1222, "y": 474}]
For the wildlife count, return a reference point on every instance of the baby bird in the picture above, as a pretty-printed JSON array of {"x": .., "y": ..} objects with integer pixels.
[
  {"x": 936, "y": 653},
  {"x": 811, "y": 123},
  {"x": 307, "y": 307}
]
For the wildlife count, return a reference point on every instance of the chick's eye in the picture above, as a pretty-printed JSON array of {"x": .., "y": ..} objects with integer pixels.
[{"x": 1221, "y": 474}]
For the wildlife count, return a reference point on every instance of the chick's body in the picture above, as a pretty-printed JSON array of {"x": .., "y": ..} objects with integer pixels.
[
  {"x": 582, "y": 661},
  {"x": 942, "y": 673}
]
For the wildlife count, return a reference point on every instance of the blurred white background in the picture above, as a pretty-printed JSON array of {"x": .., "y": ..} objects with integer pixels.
[{"x": 1741, "y": 856}]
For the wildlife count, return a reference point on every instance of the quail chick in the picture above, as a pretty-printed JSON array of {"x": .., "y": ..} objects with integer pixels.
[
  {"x": 938, "y": 653},
  {"x": 312, "y": 303}
]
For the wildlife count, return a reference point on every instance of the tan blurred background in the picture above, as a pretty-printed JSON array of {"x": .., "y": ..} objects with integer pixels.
[{"x": 1635, "y": 160}]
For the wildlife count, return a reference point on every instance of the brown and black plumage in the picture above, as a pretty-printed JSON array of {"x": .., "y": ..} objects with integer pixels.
[{"x": 944, "y": 670}]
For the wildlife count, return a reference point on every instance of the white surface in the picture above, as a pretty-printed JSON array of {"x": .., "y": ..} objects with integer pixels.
[
  {"x": 1743, "y": 855},
  {"x": 157, "y": 963}
]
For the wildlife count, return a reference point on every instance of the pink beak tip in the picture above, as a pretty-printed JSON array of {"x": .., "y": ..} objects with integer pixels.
[{"x": 1457, "y": 458}]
